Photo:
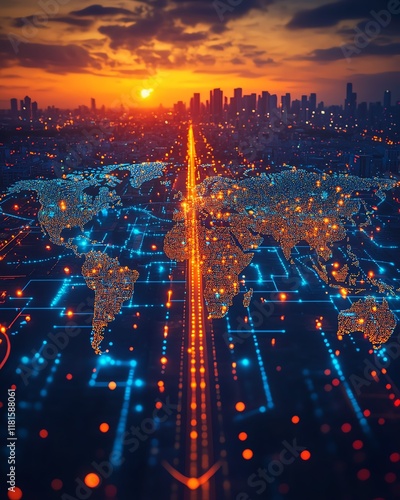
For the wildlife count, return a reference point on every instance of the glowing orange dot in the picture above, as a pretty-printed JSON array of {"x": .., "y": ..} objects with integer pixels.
[
  {"x": 193, "y": 435},
  {"x": 19, "y": 293},
  {"x": 305, "y": 455},
  {"x": 283, "y": 296},
  {"x": 70, "y": 314},
  {"x": 43, "y": 433},
  {"x": 68, "y": 376},
  {"x": 56, "y": 484},
  {"x": 193, "y": 483},
  {"x": 240, "y": 406},
  {"x": 159, "y": 405},
  {"x": 66, "y": 270},
  {"x": 92, "y": 480},
  {"x": 16, "y": 494},
  {"x": 104, "y": 427},
  {"x": 164, "y": 360},
  {"x": 295, "y": 419},
  {"x": 247, "y": 454},
  {"x": 112, "y": 385},
  {"x": 242, "y": 436},
  {"x": 28, "y": 318}
]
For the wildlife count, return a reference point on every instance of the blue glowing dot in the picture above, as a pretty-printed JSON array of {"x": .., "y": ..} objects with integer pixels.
[
  {"x": 139, "y": 382},
  {"x": 245, "y": 362},
  {"x": 139, "y": 408},
  {"x": 262, "y": 409},
  {"x": 24, "y": 360}
]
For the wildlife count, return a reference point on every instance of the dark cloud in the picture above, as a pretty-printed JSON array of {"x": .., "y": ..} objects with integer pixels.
[
  {"x": 135, "y": 35},
  {"x": 388, "y": 30},
  {"x": 50, "y": 57},
  {"x": 219, "y": 46},
  {"x": 81, "y": 23},
  {"x": 350, "y": 51},
  {"x": 177, "y": 35},
  {"x": 259, "y": 62},
  {"x": 30, "y": 21},
  {"x": 332, "y": 13},
  {"x": 198, "y": 11},
  {"x": 237, "y": 61},
  {"x": 100, "y": 11},
  {"x": 40, "y": 22}
]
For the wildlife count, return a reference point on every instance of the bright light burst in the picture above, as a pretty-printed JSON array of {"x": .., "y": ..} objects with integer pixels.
[{"x": 145, "y": 93}]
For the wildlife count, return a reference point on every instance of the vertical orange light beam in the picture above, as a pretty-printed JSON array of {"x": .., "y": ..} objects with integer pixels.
[{"x": 198, "y": 431}]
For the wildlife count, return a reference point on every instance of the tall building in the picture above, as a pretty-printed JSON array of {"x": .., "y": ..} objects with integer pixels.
[
  {"x": 263, "y": 106},
  {"x": 237, "y": 97},
  {"x": 313, "y": 102},
  {"x": 304, "y": 108},
  {"x": 350, "y": 103},
  {"x": 392, "y": 160},
  {"x": 195, "y": 106},
  {"x": 273, "y": 102},
  {"x": 216, "y": 100},
  {"x": 363, "y": 166},
  {"x": 14, "y": 108},
  {"x": 93, "y": 105},
  {"x": 35, "y": 110},
  {"x": 387, "y": 99},
  {"x": 26, "y": 111}
]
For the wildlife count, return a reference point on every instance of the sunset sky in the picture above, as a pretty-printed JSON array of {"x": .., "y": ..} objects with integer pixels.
[{"x": 113, "y": 50}]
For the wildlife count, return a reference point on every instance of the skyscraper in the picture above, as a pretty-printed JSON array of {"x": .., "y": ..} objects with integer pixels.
[
  {"x": 26, "y": 111},
  {"x": 195, "y": 106},
  {"x": 238, "y": 96},
  {"x": 304, "y": 108},
  {"x": 350, "y": 103},
  {"x": 14, "y": 108},
  {"x": 34, "y": 110},
  {"x": 216, "y": 100},
  {"x": 313, "y": 102},
  {"x": 387, "y": 99},
  {"x": 93, "y": 105}
]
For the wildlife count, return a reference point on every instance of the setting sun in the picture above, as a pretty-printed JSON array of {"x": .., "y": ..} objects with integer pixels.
[{"x": 145, "y": 93}]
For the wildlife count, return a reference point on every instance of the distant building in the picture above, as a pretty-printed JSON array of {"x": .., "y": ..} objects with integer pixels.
[
  {"x": 14, "y": 108},
  {"x": 363, "y": 166},
  {"x": 216, "y": 108},
  {"x": 350, "y": 103},
  {"x": 387, "y": 99},
  {"x": 392, "y": 160},
  {"x": 195, "y": 106}
]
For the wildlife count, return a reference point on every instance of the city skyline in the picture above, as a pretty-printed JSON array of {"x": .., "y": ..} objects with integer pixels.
[
  {"x": 387, "y": 99},
  {"x": 158, "y": 52}
]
